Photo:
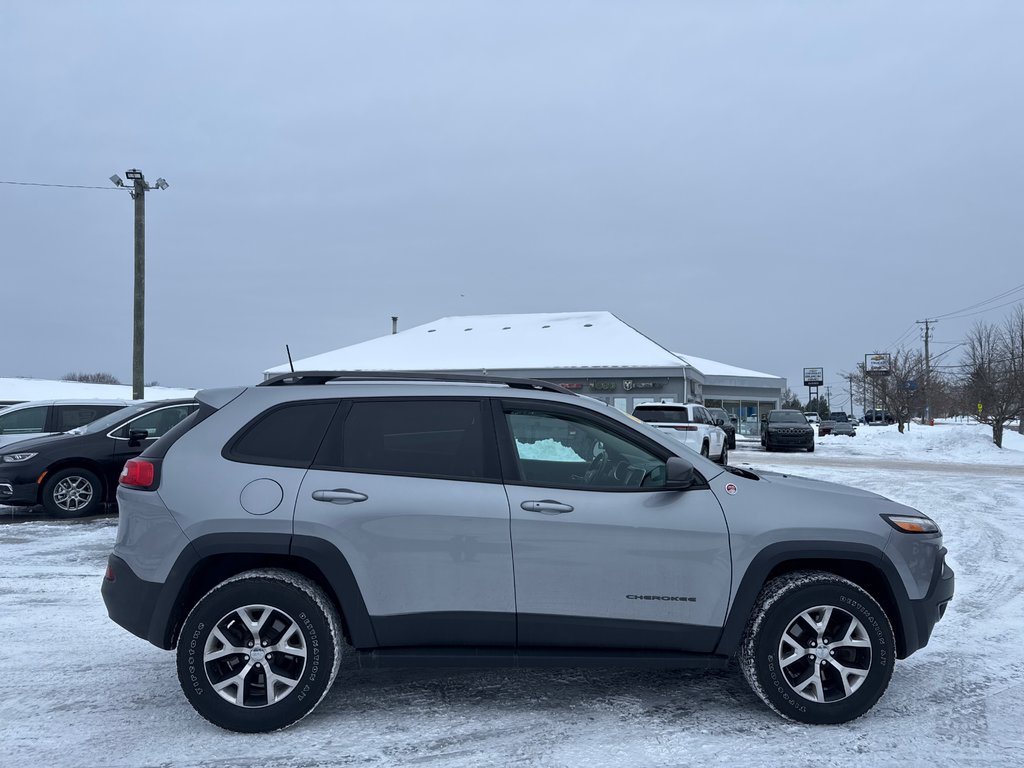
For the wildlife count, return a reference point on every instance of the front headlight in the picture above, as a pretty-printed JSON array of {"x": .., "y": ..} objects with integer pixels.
[
  {"x": 912, "y": 523},
  {"x": 14, "y": 458}
]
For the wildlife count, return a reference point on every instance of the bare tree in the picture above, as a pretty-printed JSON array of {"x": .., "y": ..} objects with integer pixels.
[
  {"x": 903, "y": 384},
  {"x": 993, "y": 377},
  {"x": 789, "y": 399},
  {"x": 92, "y": 378}
]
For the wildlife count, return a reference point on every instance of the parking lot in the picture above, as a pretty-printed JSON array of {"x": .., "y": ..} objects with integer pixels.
[{"x": 81, "y": 691}]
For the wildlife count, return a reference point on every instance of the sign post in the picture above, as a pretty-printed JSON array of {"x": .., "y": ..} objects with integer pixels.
[{"x": 813, "y": 378}]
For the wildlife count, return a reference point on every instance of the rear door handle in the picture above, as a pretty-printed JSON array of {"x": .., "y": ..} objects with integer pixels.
[
  {"x": 340, "y": 496},
  {"x": 546, "y": 507}
]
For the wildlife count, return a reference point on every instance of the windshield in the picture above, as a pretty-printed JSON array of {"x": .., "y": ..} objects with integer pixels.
[
  {"x": 111, "y": 419},
  {"x": 787, "y": 417}
]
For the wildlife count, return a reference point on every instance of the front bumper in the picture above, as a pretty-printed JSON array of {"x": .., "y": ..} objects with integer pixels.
[
  {"x": 18, "y": 494},
  {"x": 922, "y": 615},
  {"x": 791, "y": 439}
]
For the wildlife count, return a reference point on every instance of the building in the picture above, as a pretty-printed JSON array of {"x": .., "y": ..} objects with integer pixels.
[{"x": 593, "y": 353}]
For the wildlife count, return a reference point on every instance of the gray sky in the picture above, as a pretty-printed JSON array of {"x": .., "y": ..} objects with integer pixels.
[{"x": 727, "y": 177}]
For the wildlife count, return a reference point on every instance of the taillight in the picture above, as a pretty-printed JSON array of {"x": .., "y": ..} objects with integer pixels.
[
  {"x": 138, "y": 473},
  {"x": 688, "y": 428}
]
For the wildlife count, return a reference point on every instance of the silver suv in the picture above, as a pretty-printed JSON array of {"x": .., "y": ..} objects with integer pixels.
[{"x": 436, "y": 519}]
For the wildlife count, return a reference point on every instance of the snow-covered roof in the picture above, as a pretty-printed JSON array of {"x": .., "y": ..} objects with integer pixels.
[
  {"x": 23, "y": 390},
  {"x": 714, "y": 368},
  {"x": 500, "y": 342}
]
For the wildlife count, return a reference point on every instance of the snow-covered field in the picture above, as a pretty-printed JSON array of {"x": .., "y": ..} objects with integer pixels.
[{"x": 80, "y": 691}]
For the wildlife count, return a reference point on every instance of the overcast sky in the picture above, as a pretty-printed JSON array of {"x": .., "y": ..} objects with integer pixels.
[{"x": 771, "y": 185}]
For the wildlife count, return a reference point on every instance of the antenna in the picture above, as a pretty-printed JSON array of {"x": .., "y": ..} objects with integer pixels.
[{"x": 289, "y": 358}]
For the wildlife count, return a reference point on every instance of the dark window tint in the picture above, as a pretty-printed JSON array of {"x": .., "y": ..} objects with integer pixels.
[
  {"x": 443, "y": 438},
  {"x": 72, "y": 416},
  {"x": 288, "y": 436},
  {"x": 23, "y": 421},
  {"x": 663, "y": 415}
]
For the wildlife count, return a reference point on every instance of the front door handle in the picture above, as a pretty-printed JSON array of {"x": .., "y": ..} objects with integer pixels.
[
  {"x": 546, "y": 507},
  {"x": 340, "y": 496}
]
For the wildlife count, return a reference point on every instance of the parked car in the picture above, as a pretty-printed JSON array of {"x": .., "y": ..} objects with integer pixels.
[
  {"x": 74, "y": 474},
  {"x": 24, "y": 421},
  {"x": 785, "y": 428},
  {"x": 812, "y": 418},
  {"x": 727, "y": 422},
  {"x": 878, "y": 416},
  {"x": 837, "y": 423},
  {"x": 690, "y": 424},
  {"x": 442, "y": 520}
]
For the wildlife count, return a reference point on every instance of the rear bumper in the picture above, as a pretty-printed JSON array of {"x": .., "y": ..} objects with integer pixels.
[{"x": 130, "y": 601}]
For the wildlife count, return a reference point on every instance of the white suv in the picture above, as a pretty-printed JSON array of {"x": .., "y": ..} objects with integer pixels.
[{"x": 690, "y": 424}]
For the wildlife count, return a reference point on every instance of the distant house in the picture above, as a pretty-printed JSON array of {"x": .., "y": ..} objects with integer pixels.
[{"x": 594, "y": 353}]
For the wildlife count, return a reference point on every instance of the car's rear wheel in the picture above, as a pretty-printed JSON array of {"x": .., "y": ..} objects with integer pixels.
[
  {"x": 705, "y": 449},
  {"x": 723, "y": 457},
  {"x": 817, "y": 648},
  {"x": 259, "y": 651},
  {"x": 72, "y": 493}
]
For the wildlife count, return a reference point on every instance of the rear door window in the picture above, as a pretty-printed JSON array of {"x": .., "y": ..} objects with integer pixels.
[{"x": 434, "y": 437}]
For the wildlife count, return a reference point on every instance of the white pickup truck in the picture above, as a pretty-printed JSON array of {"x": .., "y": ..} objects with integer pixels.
[{"x": 690, "y": 424}]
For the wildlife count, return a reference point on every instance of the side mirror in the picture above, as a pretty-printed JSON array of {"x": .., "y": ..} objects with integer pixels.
[
  {"x": 719, "y": 422},
  {"x": 679, "y": 473},
  {"x": 136, "y": 436}
]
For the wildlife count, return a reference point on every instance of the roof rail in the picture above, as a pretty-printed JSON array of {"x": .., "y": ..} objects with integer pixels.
[{"x": 323, "y": 377}]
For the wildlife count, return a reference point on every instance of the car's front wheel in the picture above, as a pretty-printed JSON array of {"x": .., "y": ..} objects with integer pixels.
[
  {"x": 259, "y": 651},
  {"x": 817, "y": 648},
  {"x": 72, "y": 493}
]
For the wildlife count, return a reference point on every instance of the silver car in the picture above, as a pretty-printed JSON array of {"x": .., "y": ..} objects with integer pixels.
[{"x": 439, "y": 520}]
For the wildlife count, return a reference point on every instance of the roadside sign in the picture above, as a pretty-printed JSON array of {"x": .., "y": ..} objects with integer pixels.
[
  {"x": 814, "y": 377},
  {"x": 877, "y": 364}
]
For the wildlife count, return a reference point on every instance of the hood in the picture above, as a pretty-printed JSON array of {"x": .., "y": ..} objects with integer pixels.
[
  {"x": 37, "y": 443},
  {"x": 819, "y": 486}
]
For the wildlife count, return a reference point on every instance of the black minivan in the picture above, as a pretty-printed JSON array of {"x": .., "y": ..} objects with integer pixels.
[{"x": 75, "y": 473}]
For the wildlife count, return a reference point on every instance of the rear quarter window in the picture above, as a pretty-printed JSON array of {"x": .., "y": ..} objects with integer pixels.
[{"x": 286, "y": 435}]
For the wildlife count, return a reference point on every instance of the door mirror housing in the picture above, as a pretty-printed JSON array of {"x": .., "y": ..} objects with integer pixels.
[
  {"x": 136, "y": 436},
  {"x": 679, "y": 474},
  {"x": 719, "y": 422}
]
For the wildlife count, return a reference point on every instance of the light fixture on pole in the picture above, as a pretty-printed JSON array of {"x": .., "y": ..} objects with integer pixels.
[{"x": 138, "y": 192}]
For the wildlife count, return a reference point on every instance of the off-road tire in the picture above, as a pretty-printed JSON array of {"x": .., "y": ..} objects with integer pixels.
[
  {"x": 303, "y": 639},
  {"x": 854, "y": 635},
  {"x": 72, "y": 492}
]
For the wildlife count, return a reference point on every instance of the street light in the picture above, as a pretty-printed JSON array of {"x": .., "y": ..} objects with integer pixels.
[{"x": 138, "y": 192}]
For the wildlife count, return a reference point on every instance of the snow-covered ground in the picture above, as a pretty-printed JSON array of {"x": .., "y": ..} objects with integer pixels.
[{"x": 80, "y": 691}]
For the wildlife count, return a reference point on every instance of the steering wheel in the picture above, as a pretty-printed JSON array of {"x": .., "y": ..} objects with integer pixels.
[{"x": 598, "y": 466}]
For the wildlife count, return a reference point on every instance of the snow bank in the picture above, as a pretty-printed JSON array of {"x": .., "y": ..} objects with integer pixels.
[{"x": 948, "y": 441}]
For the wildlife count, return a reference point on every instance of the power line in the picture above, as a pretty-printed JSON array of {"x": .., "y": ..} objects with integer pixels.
[
  {"x": 1004, "y": 294},
  {"x": 983, "y": 311},
  {"x": 62, "y": 186}
]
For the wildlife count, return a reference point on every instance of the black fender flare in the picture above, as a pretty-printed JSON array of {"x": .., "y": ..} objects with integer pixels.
[
  {"x": 315, "y": 557},
  {"x": 846, "y": 558}
]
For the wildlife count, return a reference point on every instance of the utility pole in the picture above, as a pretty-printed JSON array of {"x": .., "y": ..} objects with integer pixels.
[
  {"x": 828, "y": 397},
  {"x": 927, "y": 367},
  {"x": 138, "y": 192},
  {"x": 849, "y": 377}
]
